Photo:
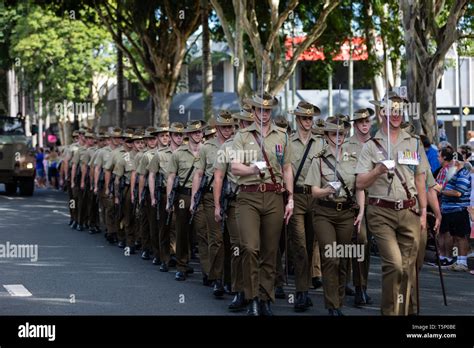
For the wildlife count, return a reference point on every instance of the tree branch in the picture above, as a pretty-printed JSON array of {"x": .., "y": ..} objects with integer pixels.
[
  {"x": 313, "y": 35},
  {"x": 224, "y": 24},
  {"x": 277, "y": 21},
  {"x": 122, "y": 47}
]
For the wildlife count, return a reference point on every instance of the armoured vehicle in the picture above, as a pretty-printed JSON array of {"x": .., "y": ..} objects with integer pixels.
[{"x": 17, "y": 160}]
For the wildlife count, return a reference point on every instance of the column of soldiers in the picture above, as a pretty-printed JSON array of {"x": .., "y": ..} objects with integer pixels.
[{"x": 253, "y": 184}]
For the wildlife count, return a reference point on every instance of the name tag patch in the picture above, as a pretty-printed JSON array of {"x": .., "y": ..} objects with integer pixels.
[{"x": 408, "y": 157}]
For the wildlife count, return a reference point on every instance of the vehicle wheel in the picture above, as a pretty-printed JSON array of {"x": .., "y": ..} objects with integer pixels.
[
  {"x": 27, "y": 187},
  {"x": 10, "y": 188}
]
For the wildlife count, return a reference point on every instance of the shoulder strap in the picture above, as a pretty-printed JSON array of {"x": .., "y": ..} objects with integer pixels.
[
  {"x": 397, "y": 173},
  {"x": 272, "y": 175},
  {"x": 188, "y": 175},
  {"x": 300, "y": 168},
  {"x": 339, "y": 176}
]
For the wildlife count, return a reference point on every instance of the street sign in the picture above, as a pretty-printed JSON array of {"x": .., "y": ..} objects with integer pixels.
[{"x": 454, "y": 110}]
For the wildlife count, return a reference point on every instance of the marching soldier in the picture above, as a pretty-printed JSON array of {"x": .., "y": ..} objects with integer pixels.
[
  {"x": 203, "y": 179},
  {"x": 222, "y": 177},
  {"x": 87, "y": 178},
  {"x": 99, "y": 176},
  {"x": 113, "y": 226},
  {"x": 392, "y": 171},
  {"x": 332, "y": 180},
  {"x": 123, "y": 171},
  {"x": 304, "y": 145},
  {"x": 157, "y": 181},
  {"x": 182, "y": 166},
  {"x": 157, "y": 138},
  {"x": 68, "y": 154},
  {"x": 260, "y": 200},
  {"x": 76, "y": 176},
  {"x": 362, "y": 120}
]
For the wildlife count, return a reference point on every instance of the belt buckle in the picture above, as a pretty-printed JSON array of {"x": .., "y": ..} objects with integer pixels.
[
  {"x": 398, "y": 205},
  {"x": 339, "y": 206},
  {"x": 262, "y": 187}
]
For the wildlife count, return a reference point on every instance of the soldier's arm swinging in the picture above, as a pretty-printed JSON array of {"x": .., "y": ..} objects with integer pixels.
[
  {"x": 141, "y": 186},
  {"x": 218, "y": 179},
  {"x": 151, "y": 187},
  {"x": 83, "y": 175},
  {"x": 421, "y": 190},
  {"x": 73, "y": 174},
  {"x": 133, "y": 180},
  {"x": 288, "y": 178},
  {"x": 107, "y": 181},
  {"x": 198, "y": 173},
  {"x": 169, "y": 187},
  {"x": 96, "y": 178},
  {"x": 360, "y": 197}
]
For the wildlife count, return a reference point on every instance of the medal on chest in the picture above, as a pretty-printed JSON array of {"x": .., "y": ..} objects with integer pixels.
[{"x": 408, "y": 157}]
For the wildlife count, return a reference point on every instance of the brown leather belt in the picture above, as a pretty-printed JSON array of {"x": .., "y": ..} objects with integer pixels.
[
  {"x": 336, "y": 205},
  {"x": 397, "y": 205},
  {"x": 303, "y": 189},
  {"x": 261, "y": 188}
]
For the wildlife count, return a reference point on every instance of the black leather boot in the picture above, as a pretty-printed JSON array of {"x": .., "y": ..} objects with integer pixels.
[
  {"x": 253, "y": 308},
  {"x": 265, "y": 309},
  {"x": 238, "y": 303}
]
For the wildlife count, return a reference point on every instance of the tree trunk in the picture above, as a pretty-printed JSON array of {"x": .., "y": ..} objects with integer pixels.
[
  {"x": 206, "y": 62},
  {"x": 120, "y": 84},
  {"x": 162, "y": 108}
]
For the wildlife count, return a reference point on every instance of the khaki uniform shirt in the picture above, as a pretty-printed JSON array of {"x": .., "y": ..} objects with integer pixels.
[
  {"x": 406, "y": 147},
  {"x": 181, "y": 162},
  {"x": 354, "y": 146},
  {"x": 224, "y": 158},
  {"x": 277, "y": 147},
  {"x": 102, "y": 156},
  {"x": 124, "y": 164},
  {"x": 110, "y": 162},
  {"x": 320, "y": 174},
  {"x": 297, "y": 150},
  {"x": 144, "y": 161},
  {"x": 159, "y": 163},
  {"x": 207, "y": 157}
]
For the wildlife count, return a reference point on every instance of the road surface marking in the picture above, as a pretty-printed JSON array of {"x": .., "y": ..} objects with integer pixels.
[
  {"x": 60, "y": 212},
  {"x": 17, "y": 290}
]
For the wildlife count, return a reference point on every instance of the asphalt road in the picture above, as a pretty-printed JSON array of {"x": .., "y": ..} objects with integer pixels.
[{"x": 81, "y": 274}]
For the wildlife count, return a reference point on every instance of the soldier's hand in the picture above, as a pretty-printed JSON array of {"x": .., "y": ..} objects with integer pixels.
[
  {"x": 116, "y": 200},
  {"x": 329, "y": 190},
  {"x": 288, "y": 211},
  {"x": 132, "y": 199},
  {"x": 107, "y": 192},
  {"x": 168, "y": 208},
  {"x": 191, "y": 206},
  {"x": 437, "y": 224},
  {"x": 95, "y": 190},
  {"x": 380, "y": 169},
  {"x": 423, "y": 219},
  {"x": 255, "y": 169},
  {"x": 358, "y": 221},
  {"x": 153, "y": 201},
  {"x": 217, "y": 214},
  {"x": 82, "y": 186}
]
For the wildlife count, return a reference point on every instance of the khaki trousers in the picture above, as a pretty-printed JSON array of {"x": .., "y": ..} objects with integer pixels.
[
  {"x": 259, "y": 218},
  {"x": 184, "y": 232},
  {"x": 333, "y": 228},
  {"x": 360, "y": 270},
  {"x": 398, "y": 235},
  {"x": 215, "y": 239},
  {"x": 236, "y": 250},
  {"x": 301, "y": 235}
]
